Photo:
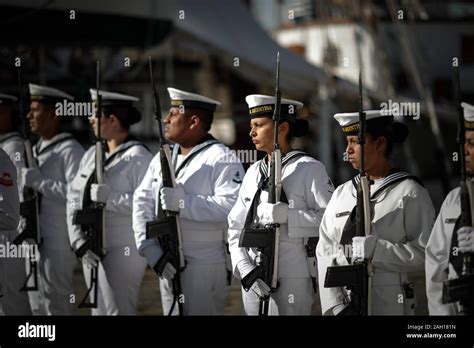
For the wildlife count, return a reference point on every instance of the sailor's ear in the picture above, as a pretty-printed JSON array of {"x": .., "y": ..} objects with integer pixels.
[
  {"x": 195, "y": 121},
  {"x": 381, "y": 143},
  {"x": 284, "y": 127}
]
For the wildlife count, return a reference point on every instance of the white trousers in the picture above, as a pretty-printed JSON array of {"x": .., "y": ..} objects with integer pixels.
[
  {"x": 294, "y": 296},
  {"x": 12, "y": 279},
  {"x": 55, "y": 291},
  {"x": 204, "y": 289},
  {"x": 121, "y": 273},
  {"x": 15, "y": 302}
]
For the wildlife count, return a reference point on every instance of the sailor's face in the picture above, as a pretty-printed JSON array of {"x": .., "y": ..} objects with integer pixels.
[
  {"x": 103, "y": 125},
  {"x": 261, "y": 132},
  {"x": 176, "y": 124},
  {"x": 39, "y": 117},
  {"x": 353, "y": 152},
  {"x": 469, "y": 152}
]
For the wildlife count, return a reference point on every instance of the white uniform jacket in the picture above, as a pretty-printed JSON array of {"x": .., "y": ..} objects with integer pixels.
[
  {"x": 12, "y": 144},
  {"x": 308, "y": 190},
  {"x": 438, "y": 267},
  {"x": 58, "y": 162},
  {"x": 9, "y": 209},
  {"x": 211, "y": 180},
  {"x": 124, "y": 169},
  {"x": 9, "y": 202},
  {"x": 402, "y": 215}
]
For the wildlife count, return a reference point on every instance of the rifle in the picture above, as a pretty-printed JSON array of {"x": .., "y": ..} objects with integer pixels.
[
  {"x": 267, "y": 239},
  {"x": 462, "y": 289},
  {"x": 92, "y": 216},
  {"x": 29, "y": 207},
  {"x": 167, "y": 228},
  {"x": 357, "y": 277}
]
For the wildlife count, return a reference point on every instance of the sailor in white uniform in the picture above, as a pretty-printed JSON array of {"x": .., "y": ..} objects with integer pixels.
[
  {"x": 15, "y": 301},
  {"x": 58, "y": 155},
  {"x": 208, "y": 179},
  {"x": 126, "y": 161},
  {"x": 9, "y": 218},
  {"x": 402, "y": 217},
  {"x": 307, "y": 190},
  {"x": 445, "y": 249}
]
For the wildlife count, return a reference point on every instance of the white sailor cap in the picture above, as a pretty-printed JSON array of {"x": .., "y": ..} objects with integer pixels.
[
  {"x": 7, "y": 99},
  {"x": 47, "y": 95},
  {"x": 263, "y": 105},
  {"x": 468, "y": 116},
  {"x": 191, "y": 100},
  {"x": 129, "y": 114},
  {"x": 113, "y": 98},
  {"x": 378, "y": 122},
  {"x": 349, "y": 121}
]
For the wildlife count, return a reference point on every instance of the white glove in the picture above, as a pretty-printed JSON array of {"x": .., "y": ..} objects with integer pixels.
[
  {"x": 269, "y": 213},
  {"x": 259, "y": 287},
  {"x": 22, "y": 224},
  {"x": 168, "y": 272},
  {"x": 90, "y": 259},
  {"x": 153, "y": 253},
  {"x": 171, "y": 198},
  {"x": 31, "y": 177},
  {"x": 100, "y": 193},
  {"x": 466, "y": 239},
  {"x": 363, "y": 247}
]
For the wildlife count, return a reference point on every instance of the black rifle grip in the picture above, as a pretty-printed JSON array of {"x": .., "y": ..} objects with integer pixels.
[
  {"x": 252, "y": 277},
  {"x": 160, "y": 265},
  {"x": 83, "y": 248}
]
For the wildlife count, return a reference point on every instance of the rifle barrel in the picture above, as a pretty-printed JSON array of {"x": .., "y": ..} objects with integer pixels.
[{"x": 156, "y": 102}]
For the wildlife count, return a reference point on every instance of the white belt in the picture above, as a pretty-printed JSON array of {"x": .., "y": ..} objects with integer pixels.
[
  {"x": 389, "y": 278},
  {"x": 202, "y": 236}
]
